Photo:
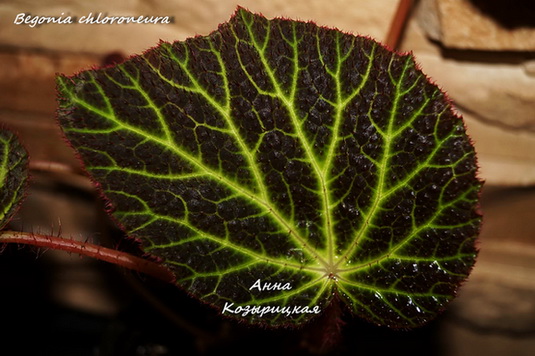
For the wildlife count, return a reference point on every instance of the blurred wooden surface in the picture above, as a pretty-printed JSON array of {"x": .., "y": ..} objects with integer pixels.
[{"x": 480, "y": 24}]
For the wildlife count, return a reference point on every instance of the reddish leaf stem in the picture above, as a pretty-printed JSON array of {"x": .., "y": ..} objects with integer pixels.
[
  {"x": 398, "y": 24},
  {"x": 91, "y": 250}
]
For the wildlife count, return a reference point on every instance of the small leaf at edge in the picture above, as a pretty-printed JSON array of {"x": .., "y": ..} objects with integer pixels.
[{"x": 13, "y": 175}]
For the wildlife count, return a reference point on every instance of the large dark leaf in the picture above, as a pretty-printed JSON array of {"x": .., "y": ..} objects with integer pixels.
[{"x": 274, "y": 164}]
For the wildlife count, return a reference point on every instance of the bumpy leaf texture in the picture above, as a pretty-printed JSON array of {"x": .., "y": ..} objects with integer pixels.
[
  {"x": 13, "y": 175},
  {"x": 275, "y": 164}
]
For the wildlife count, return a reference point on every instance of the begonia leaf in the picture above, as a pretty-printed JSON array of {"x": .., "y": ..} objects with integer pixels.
[
  {"x": 13, "y": 175},
  {"x": 274, "y": 165}
]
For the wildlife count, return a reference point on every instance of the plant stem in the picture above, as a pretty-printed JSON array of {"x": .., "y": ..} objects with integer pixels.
[
  {"x": 116, "y": 257},
  {"x": 398, "y": 24}
]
